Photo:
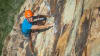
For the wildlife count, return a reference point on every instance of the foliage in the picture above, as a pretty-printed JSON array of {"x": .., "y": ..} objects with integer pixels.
[{"x": 8, "y": 8}]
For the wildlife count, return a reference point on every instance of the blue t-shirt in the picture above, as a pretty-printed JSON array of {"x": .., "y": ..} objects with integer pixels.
[{"x": 26, "y": 28}]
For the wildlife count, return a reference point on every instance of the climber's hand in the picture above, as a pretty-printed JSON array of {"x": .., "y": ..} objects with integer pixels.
[{"x": 50, "y": 25}]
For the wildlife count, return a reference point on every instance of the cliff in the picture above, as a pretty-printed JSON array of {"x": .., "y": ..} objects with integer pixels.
[{"x": 75, "y": 31}]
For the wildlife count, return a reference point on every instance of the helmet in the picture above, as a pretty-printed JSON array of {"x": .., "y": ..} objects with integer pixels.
[{"x": 28, "y": 14}]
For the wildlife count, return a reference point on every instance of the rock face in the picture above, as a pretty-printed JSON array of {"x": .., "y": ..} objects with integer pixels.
[{"x": 75, "y": 32}]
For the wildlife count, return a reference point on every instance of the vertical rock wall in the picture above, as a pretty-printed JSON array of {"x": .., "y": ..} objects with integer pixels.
[{"x": 75, "y": 31}]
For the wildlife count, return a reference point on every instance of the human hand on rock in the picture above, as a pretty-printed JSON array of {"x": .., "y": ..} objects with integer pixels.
[{"x": 50, "y": 25}]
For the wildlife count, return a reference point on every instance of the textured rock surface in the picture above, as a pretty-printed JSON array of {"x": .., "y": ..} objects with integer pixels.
[{"x": 75, "y": 32}]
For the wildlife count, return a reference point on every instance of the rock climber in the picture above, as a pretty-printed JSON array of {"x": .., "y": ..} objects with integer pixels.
[{"x": 27, "y": 25}]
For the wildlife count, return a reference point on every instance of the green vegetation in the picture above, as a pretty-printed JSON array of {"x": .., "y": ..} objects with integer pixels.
[{"x": 8, "y": 8}]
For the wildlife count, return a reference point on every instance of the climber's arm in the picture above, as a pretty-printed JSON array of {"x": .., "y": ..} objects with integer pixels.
[
  {"x": 42, "y": 16},
  {"x": 34, "y": 27}
]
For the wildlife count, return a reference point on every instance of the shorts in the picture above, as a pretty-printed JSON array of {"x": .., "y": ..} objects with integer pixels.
[{"x": 27, "y": 36}]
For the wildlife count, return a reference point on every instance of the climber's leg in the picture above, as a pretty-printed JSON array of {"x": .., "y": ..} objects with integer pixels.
[
  {"x": 31, "y": 45},
  {"x": 33, "y": 35},
  {"x": 41, "y": 21},
  {"x": 32, "y": 42}
]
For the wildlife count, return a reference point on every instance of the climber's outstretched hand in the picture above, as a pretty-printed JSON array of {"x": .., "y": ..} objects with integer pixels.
[{"x": 50, "y": 25}]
